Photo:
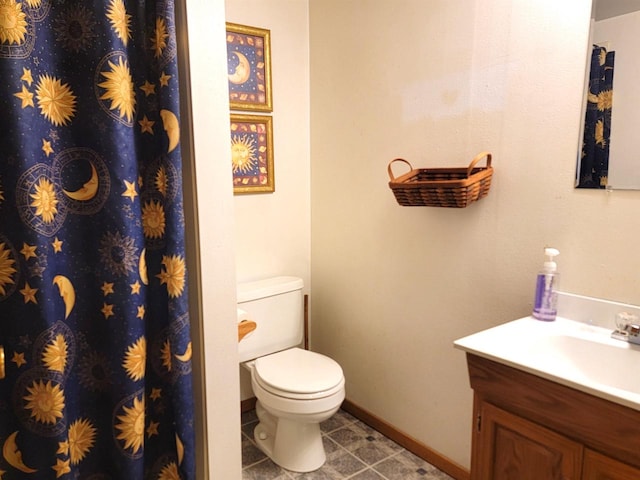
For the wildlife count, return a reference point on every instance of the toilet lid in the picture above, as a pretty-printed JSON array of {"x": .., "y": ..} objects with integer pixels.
[{"x": 299, "y": 371}]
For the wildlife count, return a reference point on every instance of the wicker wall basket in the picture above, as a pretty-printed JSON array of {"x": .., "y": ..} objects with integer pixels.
[{"x": 442, "y": 187}]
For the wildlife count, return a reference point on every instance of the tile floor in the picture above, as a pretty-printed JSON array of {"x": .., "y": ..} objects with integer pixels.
[{"x": 355, "y": 451}]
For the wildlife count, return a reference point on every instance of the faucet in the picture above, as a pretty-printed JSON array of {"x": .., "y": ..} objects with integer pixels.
[{"x": 627, "y": 328}]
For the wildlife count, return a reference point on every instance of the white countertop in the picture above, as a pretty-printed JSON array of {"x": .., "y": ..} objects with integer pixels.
[{"x": 569, "y": 352}]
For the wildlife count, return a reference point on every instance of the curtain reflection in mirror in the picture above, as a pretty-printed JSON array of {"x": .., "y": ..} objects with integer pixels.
[{"x": 594, "y": 162}]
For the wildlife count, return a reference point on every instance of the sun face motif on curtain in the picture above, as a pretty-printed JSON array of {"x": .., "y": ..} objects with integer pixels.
[{"x": 94, "y": 319}]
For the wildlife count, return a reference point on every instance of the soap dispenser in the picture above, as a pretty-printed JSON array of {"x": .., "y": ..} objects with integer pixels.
[{"x": 546, "y": 299}]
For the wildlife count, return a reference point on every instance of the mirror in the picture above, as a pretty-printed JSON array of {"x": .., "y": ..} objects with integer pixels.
[{"x": 609, "y": 145}]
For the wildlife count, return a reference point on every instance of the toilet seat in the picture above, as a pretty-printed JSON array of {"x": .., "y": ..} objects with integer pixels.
[{"x": 299, "y": 374}]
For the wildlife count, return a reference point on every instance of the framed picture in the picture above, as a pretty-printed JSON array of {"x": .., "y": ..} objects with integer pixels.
[
  {"x": 249, "y": 68},
  {"x": 252, "y": 153}
]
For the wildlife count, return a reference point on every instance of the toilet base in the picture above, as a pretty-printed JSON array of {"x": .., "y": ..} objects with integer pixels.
[{"x": 293, "y": 445}]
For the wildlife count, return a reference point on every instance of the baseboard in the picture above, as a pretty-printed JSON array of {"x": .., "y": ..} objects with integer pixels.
[
  {"x": 414, "y": 446},
  {"x": 248, "y": 405}
]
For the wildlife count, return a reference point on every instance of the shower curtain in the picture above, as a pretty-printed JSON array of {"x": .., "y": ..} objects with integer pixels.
[
  {"x": 94, "y": 324},
  {"x": 594, "y": 161}
]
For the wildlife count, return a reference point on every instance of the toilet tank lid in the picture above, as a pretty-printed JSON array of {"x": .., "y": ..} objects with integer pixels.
[{"x": 248, "y": 291}]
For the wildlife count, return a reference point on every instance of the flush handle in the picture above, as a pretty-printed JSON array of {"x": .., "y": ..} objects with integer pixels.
[{"x": 1, "y": 362}]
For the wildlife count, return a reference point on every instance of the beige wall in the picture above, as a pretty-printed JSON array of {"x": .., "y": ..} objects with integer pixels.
[
  {"x": 272, "y": 233},
  {"x": 435, "y": 82}
]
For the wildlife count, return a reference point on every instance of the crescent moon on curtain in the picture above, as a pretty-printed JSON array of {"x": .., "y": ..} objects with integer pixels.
[
  {"x": 13, "y": 455},
  {"x": 142, "y": 267},
  {"x": 88, "y": 190},
  {"x": 67, "y": 292},
  {"x": 186, "y": 356},
  {"x": 172, "y": 127}
]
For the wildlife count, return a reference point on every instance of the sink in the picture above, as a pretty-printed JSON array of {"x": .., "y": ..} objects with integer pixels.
[
  {"x": 602, "y": 363},
  {"x": 572, "y": 353}
]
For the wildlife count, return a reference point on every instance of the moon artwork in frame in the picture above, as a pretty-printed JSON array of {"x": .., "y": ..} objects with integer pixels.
[{"x": 249, "y": 68}]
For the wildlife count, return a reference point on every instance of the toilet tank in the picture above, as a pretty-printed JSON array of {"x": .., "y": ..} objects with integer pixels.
[{"x": 276, "y": 306}]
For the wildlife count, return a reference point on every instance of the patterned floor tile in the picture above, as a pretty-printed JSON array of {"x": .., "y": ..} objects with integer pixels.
[
  {"x": 322, "y": 474},
  {"x": 341, "y": 464},
  {"x": 407, "y": 466},
  {"x": 250, "y": 453},
  {"x": 249, "y": 417},
  {"x": 354, "y": 451},
  {"x": 265, "y": 470},
  {"x": 365, "y": 443},
  {"x": 339, "y": 420},
  {"x": 367, "y": 474}
]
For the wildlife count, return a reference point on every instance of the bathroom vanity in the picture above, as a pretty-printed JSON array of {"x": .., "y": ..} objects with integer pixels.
[
  {"x": 553, "y": 400},
  {"x": 527, "y": 427}
]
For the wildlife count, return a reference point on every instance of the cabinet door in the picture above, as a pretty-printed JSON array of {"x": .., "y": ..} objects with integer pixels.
[
  {"x": 599, "y": 467},
  {"x": 509, "y": 447}
]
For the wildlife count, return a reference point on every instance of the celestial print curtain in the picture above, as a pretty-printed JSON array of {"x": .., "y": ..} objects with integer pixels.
[
  {"x": 594, "y": 161},
  {"x": 94, "y": 321}
]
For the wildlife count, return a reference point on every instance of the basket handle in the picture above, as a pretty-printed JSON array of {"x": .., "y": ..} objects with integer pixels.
[
  {"x": 476, "y": 159},
  {"x": 390, "y": 172}
]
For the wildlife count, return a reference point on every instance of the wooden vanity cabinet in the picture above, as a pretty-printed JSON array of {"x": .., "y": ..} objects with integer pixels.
[
  {"x": 600, "y": 467},
  {"x": 514, "y": 448},
  {"x": 530, "y": 428}
]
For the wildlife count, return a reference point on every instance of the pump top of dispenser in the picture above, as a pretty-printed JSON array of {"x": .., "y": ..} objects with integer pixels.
[{"x": 550, "y": 265}]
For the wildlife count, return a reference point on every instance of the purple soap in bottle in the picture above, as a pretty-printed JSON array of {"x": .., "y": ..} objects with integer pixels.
[{"x": 546, "y": 300}]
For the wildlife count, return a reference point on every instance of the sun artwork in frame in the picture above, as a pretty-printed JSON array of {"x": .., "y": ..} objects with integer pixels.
[
  {"x": 252, "y": 153},
  {"x": 249, "y": 68}
]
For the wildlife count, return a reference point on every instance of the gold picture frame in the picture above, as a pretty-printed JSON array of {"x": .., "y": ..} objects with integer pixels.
[
  {"x": 252, "y": 153},
  {"x": 249, "y": 68}
]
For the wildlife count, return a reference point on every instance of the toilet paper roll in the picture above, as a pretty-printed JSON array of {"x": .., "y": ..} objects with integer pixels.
[{"x": 245, "y": 324}]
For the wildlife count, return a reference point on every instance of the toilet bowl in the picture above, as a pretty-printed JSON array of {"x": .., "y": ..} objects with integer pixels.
[{"x": 296, "y": 390}]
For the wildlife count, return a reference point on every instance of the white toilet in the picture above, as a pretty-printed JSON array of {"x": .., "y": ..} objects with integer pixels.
[{"x": 296, "y": 389}]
